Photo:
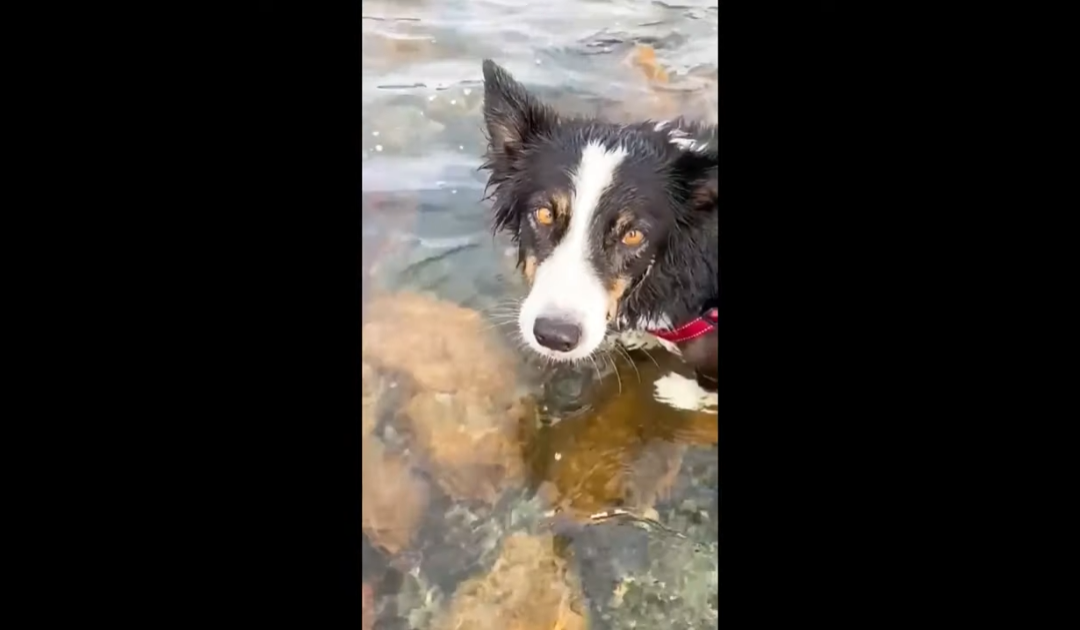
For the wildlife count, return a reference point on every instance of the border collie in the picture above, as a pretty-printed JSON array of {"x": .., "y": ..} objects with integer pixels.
[{"x": 616, "y": 228}]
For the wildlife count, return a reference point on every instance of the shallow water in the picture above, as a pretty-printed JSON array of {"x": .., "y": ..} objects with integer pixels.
[{"x": 425, "y": 229}]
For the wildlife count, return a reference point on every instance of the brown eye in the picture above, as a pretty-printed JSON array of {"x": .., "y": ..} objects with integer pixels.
[
  {"x": 633, "y": 237},
  {"x": 544, "y": 216}
]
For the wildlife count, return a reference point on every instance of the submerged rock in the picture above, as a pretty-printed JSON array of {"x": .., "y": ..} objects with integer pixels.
[
  {"x": 442, "y": 346},
  {"x": 393, "y": 498},
  {"x": 370, "y": 391},
  {"x": 470, "y": 439},
  {"x": 463, "y": 411},
  {"x": 456, "y": 454},
  {"x": 626, "y": 452},
  {"x": 528, "y": 588},
  {"x": 367, "y": 607},
  {"x": 636, "y": 578},
  {"x": 459, "y": 543}
]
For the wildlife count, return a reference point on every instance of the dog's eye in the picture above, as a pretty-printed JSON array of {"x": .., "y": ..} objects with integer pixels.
[
  {"x": 544, "y": 216},
  {"x": 633, "y": 237}
]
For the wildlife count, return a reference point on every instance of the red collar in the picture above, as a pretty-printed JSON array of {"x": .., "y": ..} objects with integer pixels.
[{"x": 691, "y": 329}]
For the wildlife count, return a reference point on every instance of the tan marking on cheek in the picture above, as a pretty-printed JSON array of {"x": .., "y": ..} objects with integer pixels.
[
  {"x": 560, "y": 203},
  {"x": 615, "y": 293},
  {"x": 530, "y": 268}
]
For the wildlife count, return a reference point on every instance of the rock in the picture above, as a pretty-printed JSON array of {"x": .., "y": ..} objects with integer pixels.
[
  {"x": 393, "y": 499},
  {"x": 614, "y": 456},
  {"x": 367, "y": 607},
  {"x": 460, "y": 540},
  {"x": 464, "y": 413},
  {"x": 470, "y": 440},
  {"x": 626, "y": 452},
  {"x": 644, "y": 58},
  {"x": 442, "y": 346},
  {"x": 370, "y": 390},
  {"x": 647, "y": 579},
  {"x": 528, "y": 588}
]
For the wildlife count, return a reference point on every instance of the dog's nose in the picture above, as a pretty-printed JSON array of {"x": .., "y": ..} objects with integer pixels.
[{"x": 557, "y": 334}]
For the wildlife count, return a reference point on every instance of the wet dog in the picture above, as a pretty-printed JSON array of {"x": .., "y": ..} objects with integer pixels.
[{"x": 617, "y": 230}]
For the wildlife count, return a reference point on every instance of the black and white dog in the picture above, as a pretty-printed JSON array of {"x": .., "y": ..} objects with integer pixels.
[{"x": 617, "y": 231}]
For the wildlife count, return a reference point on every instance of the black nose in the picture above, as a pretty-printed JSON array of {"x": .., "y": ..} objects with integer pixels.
[{"x": 557, "y": 334}]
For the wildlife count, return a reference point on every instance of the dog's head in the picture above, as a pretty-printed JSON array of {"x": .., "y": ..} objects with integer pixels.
[{"x": 591, "y": 205}]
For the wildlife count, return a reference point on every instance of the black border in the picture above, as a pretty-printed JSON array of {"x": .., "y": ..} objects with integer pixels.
[{"x": 199, "y": 416}]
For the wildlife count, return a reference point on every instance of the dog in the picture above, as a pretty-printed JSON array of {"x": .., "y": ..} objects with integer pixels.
[{"x": 617, "y": 230}]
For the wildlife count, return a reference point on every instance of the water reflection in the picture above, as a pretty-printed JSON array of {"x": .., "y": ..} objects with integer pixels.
[{"x": 489, "y": 479}]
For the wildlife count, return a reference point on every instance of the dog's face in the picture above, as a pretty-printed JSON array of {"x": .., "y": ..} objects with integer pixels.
[{"x": 590, "y": 204}]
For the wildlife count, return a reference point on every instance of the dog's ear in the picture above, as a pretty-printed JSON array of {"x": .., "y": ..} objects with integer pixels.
[
  {"x": 697, "y": 175},
  {"x": 511, "y": 114}
]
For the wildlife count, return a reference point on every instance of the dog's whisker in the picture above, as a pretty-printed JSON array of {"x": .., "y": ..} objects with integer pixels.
[
  {"x": 502, "y": 307},
  {"x": 499, "y": 325},
  {"x": 650, "y": 357},
  {"x": 501, "y": 322},
  {"x": 629, "y": 360},
  {"x": 504, "y": 318},
  {"x": 616, "y": 369},
  {"x": 597, "y": 368}
]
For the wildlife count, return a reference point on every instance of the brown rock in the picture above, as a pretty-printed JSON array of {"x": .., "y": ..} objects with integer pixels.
[
  {"x": 595, "y": 454},
  {"x": 664, "y": 95},
  {"x": 441, "y": 345},
  {"x": 393, "y": 498},
  {"x": 625, "y": 453},
  {"x": 370, "y": 389},
  {"x": 464, "y": 414},
  {"x": 388, "y": 50},
  {"x": 367, "y": 607},
  {"x": 528, "y": 588},
  {"x": 644, "y": 58},
  {"x": 470, "y": 438}
]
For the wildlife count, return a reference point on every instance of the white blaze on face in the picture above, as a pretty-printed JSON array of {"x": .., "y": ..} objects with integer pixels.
[{"x": 566, "y": 286}]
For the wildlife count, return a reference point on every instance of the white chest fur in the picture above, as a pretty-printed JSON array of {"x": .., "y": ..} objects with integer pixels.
[{"x": 676, "y": 390}]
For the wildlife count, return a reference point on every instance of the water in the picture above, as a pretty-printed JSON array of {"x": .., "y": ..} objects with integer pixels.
[{"x": 425, "y": 230}]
